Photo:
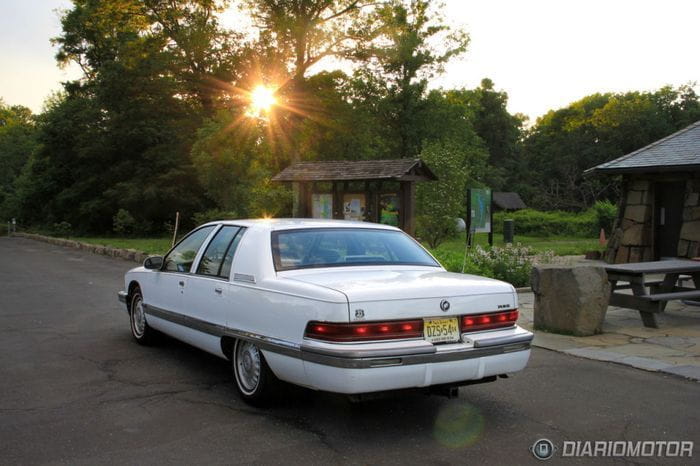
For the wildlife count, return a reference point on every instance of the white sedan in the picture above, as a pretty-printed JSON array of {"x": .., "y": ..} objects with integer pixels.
[{"x": 345, "y": 307}]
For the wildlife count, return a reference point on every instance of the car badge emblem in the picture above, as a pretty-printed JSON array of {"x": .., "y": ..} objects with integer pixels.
[
  {"x": 445, "y": 305},
  {"x": 359, "y": 313}
]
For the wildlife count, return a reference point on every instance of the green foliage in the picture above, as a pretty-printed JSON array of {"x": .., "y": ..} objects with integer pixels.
[
  {"x": 438, "y": 203},
  {"x": 597, "y": 128},
  {"x": 212, "y": 215},
  {"x": 605, "y": 214},
  {"x": 510, "y": 263},
  {"x": 62, "y": 229},
  {"x": 123, "y": 223},
  {"x": 538, "y": 223},
  {"x": 17, "y": 143}
]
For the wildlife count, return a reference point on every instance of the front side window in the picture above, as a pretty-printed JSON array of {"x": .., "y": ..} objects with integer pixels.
[
  {"x": 181, "y": 257},
  {"x": 219, "y": 252},
  {"x": 334, "y": 247}
]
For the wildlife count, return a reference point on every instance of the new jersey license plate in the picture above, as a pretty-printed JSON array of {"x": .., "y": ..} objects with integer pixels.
[{"x": 441, "y": 330}]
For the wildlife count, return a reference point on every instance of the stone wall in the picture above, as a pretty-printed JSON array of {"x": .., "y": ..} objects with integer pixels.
[
  {"x": 689, "y": 243},
  {"x": 631, "y": 238}
]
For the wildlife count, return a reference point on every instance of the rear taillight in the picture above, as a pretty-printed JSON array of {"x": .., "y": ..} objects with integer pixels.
[
  {"x": 365, "y": 331},
  {"x": 474, "y": 322}
]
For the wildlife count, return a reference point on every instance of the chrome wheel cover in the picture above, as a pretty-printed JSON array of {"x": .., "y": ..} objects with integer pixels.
[
  {"x": 138, "y": 317},
  {"x": 248, "y": 365}
]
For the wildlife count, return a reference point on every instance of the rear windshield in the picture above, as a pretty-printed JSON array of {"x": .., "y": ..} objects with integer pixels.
[{"x": 336, "y": 247}]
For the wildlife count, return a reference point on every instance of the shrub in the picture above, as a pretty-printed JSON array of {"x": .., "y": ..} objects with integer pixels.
[
  {"x": 512, "y": 264},
  {"x": 559, "y": 223},
  {"x": 123, "y": 223},
  {"x": 435, "y": 228},
  {"x": 605, "y": 214},
  {"x": 62, "y": 229},
  {"x": 438, "y": 203},
  {"x": 212, "y": 215}
]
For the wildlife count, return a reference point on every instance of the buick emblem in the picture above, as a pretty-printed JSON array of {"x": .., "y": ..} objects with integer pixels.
[
  {"x": 359, "y": 313},
  {"x": 445, "y": 305}
]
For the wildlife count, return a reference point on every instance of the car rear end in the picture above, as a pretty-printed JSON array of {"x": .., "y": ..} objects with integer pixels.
[
  {"x": 471, "y": 341},
  {"x": 410, "y": 323}
]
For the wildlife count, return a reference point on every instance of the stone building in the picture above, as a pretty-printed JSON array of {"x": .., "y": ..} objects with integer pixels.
[{"x": 660, "y": 209}]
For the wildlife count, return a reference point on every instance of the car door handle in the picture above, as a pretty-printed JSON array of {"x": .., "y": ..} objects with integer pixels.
[
  {"x": 218, "y": 290},
  {"x": 181, "y": 283}
]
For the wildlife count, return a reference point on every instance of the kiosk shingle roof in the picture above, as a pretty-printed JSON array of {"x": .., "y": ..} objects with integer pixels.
[{"x": 340, "y": 170}]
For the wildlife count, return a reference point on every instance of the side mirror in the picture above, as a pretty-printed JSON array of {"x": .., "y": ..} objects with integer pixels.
[{"x": 153, "y": 262}]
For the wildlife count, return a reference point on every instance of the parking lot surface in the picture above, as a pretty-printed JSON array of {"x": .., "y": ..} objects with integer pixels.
[{"x": 75, "y": 389}]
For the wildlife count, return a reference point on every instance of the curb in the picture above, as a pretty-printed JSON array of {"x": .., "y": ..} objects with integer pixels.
[{"x": 131, "y": 255}]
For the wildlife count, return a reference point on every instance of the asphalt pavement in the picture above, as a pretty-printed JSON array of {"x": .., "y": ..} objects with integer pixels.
[{"x": 75, "y": 389}]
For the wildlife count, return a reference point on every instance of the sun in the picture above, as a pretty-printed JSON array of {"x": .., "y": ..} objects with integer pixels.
[{"x": 262, "y": 99}]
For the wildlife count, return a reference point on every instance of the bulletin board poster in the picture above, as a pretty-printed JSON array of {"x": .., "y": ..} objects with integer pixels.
[
  {"x": 480, "y": 208},
  {"x": 389, "y": 209},
  {"x": 321, "y": 205},
  {"x": 354, "y": 207}
]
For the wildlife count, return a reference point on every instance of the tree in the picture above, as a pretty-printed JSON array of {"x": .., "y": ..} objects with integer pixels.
[
  {"x": 17, "y": 143},
  {"x": 415, "y": 44},
  {"x": 500, "y": 131},
  {"x": 600, "y": 127},
  {"x": 440, "y": 203}
]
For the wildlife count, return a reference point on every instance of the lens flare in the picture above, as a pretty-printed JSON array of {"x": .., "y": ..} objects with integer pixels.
[
  {"x": 262, "y": 98},
  {"x": 458, "y": 425}
]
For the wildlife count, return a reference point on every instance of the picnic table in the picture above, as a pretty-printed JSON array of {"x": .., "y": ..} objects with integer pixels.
[{"x": 650, "y": 296}]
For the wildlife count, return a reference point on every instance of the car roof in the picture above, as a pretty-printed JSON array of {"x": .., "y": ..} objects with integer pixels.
[{"x": 298, "y": 223}]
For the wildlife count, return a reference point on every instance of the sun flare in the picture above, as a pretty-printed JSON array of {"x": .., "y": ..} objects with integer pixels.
[{"x": 262, "y": 99}]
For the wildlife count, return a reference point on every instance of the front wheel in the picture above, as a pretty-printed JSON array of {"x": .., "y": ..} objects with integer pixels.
[
  {"x": 254, "y": 379},
  {"x": 142, "y": 333}
]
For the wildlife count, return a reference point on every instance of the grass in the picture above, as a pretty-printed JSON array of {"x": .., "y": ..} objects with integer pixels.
[
  {"x": 561, "y": 245},
  {"x": 147, "y": 245}
]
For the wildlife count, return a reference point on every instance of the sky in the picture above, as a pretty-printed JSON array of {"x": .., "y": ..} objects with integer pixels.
[{"x": 544, "y": 53}]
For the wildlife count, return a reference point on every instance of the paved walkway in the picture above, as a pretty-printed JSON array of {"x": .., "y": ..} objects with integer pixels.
[{"x": 673, "y": 348}]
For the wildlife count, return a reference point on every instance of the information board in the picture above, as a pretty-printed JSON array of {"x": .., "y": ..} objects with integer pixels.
[{"x": 480, "y": 209}]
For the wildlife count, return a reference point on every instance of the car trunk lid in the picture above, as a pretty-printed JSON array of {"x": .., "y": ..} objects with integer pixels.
[{"x": 405, "y": 292}]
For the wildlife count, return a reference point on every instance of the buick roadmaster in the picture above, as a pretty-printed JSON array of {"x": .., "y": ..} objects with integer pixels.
[{"x": 345, "y": 307}]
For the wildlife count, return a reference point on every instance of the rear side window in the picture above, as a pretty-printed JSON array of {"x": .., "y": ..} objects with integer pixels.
[
  {"x": 181, "y": 257},
  {"x": 217, "y": 259}
]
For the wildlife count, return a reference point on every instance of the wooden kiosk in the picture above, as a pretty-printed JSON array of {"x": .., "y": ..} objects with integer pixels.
[{"x": 380, "y": 191}]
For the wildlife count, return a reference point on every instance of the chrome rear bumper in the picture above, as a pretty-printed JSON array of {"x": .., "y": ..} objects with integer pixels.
[{"x": 415, "y": 351}]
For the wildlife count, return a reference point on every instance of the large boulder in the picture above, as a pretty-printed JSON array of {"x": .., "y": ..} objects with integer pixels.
[{"x": 570, "y": 300}]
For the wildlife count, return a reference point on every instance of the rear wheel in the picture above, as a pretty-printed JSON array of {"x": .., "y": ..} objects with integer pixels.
[
  {"x": 142, "y": 333},
  {"x": 254, "y": 379}
]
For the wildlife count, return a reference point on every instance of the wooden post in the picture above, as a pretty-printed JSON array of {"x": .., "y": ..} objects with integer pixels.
[
  {"x": 468, "y": 220},
  {"x": 491, "y": 218},
  {"x": 177, "y": 224}
]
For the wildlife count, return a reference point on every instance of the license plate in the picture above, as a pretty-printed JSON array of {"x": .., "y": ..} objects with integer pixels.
[{"x": 441, "y": 330}]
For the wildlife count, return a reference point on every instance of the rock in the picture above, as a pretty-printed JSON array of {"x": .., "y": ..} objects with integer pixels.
[
  {"x": 636, "y": 254},
  {"x": 636, "y": 235},
  {"x": 635, "y": 197},
  {"x": 640, "y": 185},
  {"x": 691, "y": 231},
  {"x": 622, "y": 255},
  {"x": 570, "y": 300},
  {"x": 638, "y": 213},
  {"x": 691, "y": 200},
  {"x": 593, "y": 255}
]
